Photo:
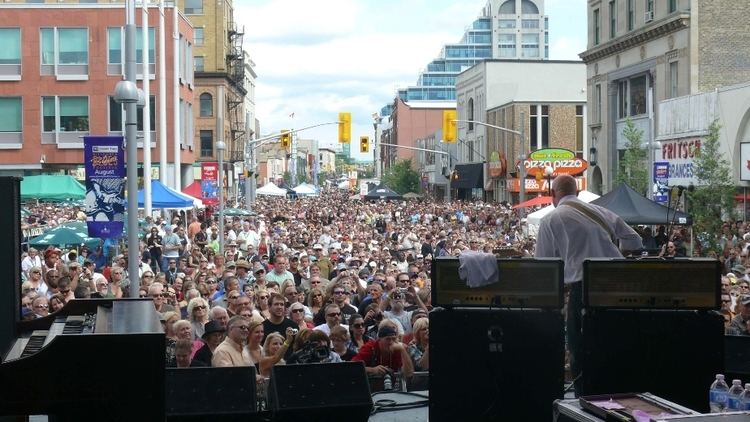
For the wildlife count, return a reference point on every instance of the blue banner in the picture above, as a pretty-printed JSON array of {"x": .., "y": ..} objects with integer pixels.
[
  {"x": 661, "y": 182},
  {"x": 105, "y": 185}
]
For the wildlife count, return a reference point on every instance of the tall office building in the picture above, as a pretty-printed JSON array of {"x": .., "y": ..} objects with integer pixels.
[{"x": 506, "y": 29}]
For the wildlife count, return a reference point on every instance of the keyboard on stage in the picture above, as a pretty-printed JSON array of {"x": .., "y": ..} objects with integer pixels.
[{"x": 84, "y": 359}]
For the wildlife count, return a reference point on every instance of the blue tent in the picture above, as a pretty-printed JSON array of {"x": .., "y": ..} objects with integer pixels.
[{"x": 164, "y": 197}]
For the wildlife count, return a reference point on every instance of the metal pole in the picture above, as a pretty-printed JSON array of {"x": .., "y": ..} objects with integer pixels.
[
  {"x": 131, "y": 151},
  {"x": 522, "y": 169},
  {"x": 162, "y": 98},
  {"x": 375, "y": 167},
  {"x": 220, "y": 147},
  {"x": 176, "y": 98},
  {"x": 146, "y": 113},
  {"x": 248, "y": 166}
]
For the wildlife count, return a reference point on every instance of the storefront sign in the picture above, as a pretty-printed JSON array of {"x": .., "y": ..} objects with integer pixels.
[
  {"x": 661, "y": 182},
  {"x": 209, "y": 183},
  {"x": 679, "y": 155},
  {"x": 562, "y": 161},
  {"x": 536, "y": 186},
  {"x": 105, "y": 185}
]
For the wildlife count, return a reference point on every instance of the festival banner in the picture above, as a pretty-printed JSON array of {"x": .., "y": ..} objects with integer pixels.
[
  {"x": 210, "y": 183},
  {"x": 105, "y": 185},
  {"x": 660, "y": 188}
]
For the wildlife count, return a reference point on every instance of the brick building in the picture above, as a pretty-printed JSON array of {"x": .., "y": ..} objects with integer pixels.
[
  {"x": 550, "y": 94},
  {"x": 646, "y": 51},
  {"x": 58, "y": 69}
]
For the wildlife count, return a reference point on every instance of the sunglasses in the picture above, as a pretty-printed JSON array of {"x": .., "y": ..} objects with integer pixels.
[
  {"x": 339, "y": 292},
  {"x": 159, "y": 295},
  {"x": 199, "y": 307},
  {"x": 148, "y": 276},
  {"x": 243, "y": 327},
  {"x": 298, "y": 310},
  {"x": 333, "y": 314},
  {"x": 360, "y": 325},
  {"x": 42, "y": 306}
]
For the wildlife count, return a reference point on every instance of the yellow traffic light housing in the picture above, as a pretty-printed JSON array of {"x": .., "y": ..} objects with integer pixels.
[
  {"x": 286, "y": 139},
  {"x": 345, "y": 127},
  {"x": 449, "y": 126},
  {"x": 364, "y": 144}
]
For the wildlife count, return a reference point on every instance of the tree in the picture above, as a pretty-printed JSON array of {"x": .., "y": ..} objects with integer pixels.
[
  {"x": 402, "y": 178},
  {"x": 712, "y": 201},
  {"x": 633, "y": 169}
]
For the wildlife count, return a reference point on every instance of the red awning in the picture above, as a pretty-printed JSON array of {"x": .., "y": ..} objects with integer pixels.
[
  {"x": 533, "y": 202},
  {"x": 194, "y": 189}
]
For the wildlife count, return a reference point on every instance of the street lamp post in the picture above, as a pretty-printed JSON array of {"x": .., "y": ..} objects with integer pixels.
[
  {"x": 126, "y": 92},
  {"x": 220, "y": 146}
]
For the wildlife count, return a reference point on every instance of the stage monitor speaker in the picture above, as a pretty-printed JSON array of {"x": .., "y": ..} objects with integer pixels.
[
  {"x": 215, "y": 392},
  {"x": 673, "y": 354},
  {"x": 500, "y": 365},
  {"x": 320, "y": 392}
]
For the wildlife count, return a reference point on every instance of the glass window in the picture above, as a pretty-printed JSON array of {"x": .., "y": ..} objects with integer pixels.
[
  {"x": 114, "y": 45},
  {"x": 650, "y": 6},
  {"x": 612, "y": 19},
  {"x": 48, "y": 45},
  {"x": 152, "y": 115},
  {"x": 193, "y": 7},
  {"x": 631, "y": 14},
  {"x": 622, "y": 99},
  {"x": 74, "y": 45},
  {"x": 579, "y": 128},
  {"x": 470, "y": 113},
  {"x": 530, "y": 45},
  {"x": 115, "y": 116},
  {"x": 11, "y": 114},
  {"x": 207, "y": 143},
  {"x": 530, "y": 23},
  {"x": 529, "y": 8},
  {"x": 508, "y": 8},
  {"x": 198, "y": 64},
  {"x": 598, "y": 104},
  {"x": 597, "y": 26},
  {"x": 48, "y": 114},
  {"x": 74, "y": 114},
  {"x": 206, "y": 105},
  {"x": 507, "y": 23},
  {"x": 10, "y": 39},
  {"x": 673, "y": 79},
  {"x": 507, "y": 45},
  {"x": 151, "y": 45},
  {"x": 672, "y": 5},
  {"x": 198, "y": 36},
  {"x": 638, "y": 96}
]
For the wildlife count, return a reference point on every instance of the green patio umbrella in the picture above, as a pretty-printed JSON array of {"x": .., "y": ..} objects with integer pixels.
[{"x": 64, "y": 236}]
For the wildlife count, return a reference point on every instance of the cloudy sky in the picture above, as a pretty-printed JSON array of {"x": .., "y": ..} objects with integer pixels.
[{"x": 317, "y": 58}]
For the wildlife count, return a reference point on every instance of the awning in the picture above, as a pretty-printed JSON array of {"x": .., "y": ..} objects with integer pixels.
[
  {"x": 467, "y": 176},
  {"x": 533, "y": 202}
]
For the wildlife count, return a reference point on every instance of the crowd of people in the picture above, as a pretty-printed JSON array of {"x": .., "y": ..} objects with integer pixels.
[{"x": 315, "y": 279}]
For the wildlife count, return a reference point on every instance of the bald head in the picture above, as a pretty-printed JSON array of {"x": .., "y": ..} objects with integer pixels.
[{"x": 563, "y": 185}]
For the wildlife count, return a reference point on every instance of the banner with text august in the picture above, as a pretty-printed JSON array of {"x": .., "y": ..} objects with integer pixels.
[{"x": 105, "y": 185}]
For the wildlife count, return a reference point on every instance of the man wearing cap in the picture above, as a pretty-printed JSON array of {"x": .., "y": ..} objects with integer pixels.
[
  {"x": 243, "y": 273},
  {"x": 386, "y": 353},
  {"x": 213, "y": 335},
  {"x": 740, "y": 325}
]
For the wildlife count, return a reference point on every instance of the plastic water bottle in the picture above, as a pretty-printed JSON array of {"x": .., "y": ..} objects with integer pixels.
[
  {"x": 745, "y": 398},
  {"x": 387, "y": 385},
  {"x": 735, "y": 391},
  {"x": 717, "y": 395}
]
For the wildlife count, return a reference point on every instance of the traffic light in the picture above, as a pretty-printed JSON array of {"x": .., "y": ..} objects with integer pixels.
[
  {"x": 345, "y": 127},
  {"x": 286, "y": 138},
  {"x": 449, "y": 126},
  {"x": 364, "y": 144}
]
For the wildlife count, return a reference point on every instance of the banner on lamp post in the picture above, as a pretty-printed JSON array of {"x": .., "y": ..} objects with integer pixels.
[
  {"x": 105, "y": 185},
  {"x": 210, "y": 183}
]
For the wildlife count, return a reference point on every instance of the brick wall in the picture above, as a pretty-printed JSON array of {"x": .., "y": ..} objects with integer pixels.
[{"x": 724, "y": 43}]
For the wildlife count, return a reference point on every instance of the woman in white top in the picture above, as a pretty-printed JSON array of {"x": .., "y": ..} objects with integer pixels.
[{"x": 31, "y": 260}]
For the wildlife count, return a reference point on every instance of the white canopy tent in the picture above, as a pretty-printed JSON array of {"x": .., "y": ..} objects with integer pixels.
[
  {"x": 533, "y": 219},
  {"x": 270, "y": 189},
  {"x": 305, "y": 189}
]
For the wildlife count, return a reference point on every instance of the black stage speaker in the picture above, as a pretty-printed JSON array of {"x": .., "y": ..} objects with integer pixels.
[
  {"x": 672, "y": 354},
  {"x": 10, "y": 261},
  {"x": 218, "y": 393},
  {"x": 499, "y": 365},
  {"x": 320, "y": 392},
  {"x": 737, "y": 358}
]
